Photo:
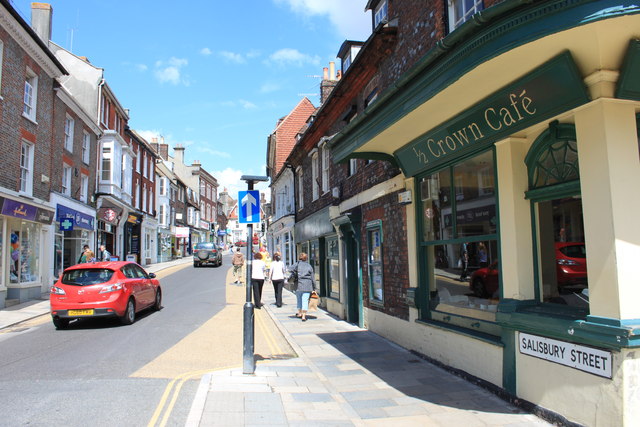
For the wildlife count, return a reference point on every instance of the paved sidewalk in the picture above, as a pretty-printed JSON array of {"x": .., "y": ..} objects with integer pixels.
[
  {"x": 31, "y": 309},
  {"x": 345, "y": 376}
]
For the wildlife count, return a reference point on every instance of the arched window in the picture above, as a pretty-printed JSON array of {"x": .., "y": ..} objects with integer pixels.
[{"x": 554, "y": 192}]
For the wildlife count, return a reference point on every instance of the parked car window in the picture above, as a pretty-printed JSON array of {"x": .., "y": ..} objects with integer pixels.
[
  {"x": 205, "y": 246},
  {"x": 138, "y": 272},
  {"x": 87, "y": 276}
]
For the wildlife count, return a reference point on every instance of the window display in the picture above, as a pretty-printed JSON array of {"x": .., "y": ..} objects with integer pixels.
[
  {"x": 374, "y": 242},
  {"x": 333, "y": 268},
  {"x": 24, "y": 263},
  {"x": 459, "y": 240}
]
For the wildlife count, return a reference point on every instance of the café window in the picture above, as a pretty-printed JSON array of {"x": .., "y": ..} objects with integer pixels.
[
  {"x": 374, "y": 247},
  {"x": 458, "y": 244},
  {"x": 554, "y": 192}
]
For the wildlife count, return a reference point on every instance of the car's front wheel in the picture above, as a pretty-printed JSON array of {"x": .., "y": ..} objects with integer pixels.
[
  {"x": 129, "y": 314},
  {"x": 60, "y": 323},
  {"x": 157, "y": 305},
  {"x": 478, "y": 287}
]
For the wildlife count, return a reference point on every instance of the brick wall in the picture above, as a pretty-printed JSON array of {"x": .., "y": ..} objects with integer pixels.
[{"x": 394, "y": 252}]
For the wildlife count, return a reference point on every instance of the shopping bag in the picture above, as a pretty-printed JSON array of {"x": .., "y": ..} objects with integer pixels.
[{"x": 313, "y": 301}]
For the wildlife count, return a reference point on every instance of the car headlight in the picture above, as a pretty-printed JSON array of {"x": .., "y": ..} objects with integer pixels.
[
  {"x": 57, "y": 291},
  {"x": 111, "y": 288}
]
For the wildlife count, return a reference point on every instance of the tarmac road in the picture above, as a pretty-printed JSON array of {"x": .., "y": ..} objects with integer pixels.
[{"x": 102, "y": 373}]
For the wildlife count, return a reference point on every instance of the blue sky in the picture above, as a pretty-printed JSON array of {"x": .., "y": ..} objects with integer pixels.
[{"x": 211, "y": 75}]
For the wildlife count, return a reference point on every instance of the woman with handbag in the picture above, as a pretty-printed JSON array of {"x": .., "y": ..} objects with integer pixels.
[
  {"x": 276, "y": 274},
  {"x": 306, "y": 284}
]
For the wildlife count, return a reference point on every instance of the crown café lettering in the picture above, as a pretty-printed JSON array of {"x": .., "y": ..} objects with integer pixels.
[
  {"x": 553, "y": 87},
  {"x": 517, "y": 108}
]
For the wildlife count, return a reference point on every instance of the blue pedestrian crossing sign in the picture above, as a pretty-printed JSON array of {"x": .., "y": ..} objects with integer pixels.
[{"x": 249, "y": 206}]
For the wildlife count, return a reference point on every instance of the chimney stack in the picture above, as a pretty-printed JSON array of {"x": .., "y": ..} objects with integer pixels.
[
  {"x": 178, "y": 151},
  {"x": 41, "y": 18}
]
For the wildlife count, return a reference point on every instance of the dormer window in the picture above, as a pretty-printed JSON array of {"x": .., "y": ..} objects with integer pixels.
[
  {"x": 348, "y": 52},
  {"x": 461, "y": 11},
  {"x": 380, "y": 13}
]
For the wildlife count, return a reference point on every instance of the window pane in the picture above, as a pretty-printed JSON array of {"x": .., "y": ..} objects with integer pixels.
[
  {"x": 375, "y": 264},
  {"x": 562, "y": 254},
  {"x": 465, "y": 285},
  {"x": 436, "y": 206},
  {"x": 475, "y": 199},
  {"x": 334, "y": 277}
]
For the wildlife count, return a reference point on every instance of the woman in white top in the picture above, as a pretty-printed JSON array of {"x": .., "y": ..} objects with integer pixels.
[
  {"x": 277, "y": 277},
  {"x": 257, "y": 278}
]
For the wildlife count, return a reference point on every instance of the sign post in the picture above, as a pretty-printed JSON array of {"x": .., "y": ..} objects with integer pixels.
[{"x": 249, "y": 213}]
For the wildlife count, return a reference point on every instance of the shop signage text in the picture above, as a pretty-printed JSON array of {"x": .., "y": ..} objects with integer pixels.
[
  {"x": 79, "y": 219},
  {"x": 552, "y": 88},
  {"x": 594, "y": 361},
  {"x": 25, "y": 211}
]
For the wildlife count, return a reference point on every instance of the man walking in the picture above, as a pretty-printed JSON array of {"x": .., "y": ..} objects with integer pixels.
[
  {"x": 104, "y": 254},
  {"x": 238, "y": 262}
]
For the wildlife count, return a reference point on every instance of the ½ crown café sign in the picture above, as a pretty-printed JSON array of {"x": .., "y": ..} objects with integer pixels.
[{"x": 554, "y": 87}]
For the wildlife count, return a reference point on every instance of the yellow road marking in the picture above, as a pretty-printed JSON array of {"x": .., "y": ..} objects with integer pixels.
[
  {"x": 180, "y": 380},
  {"x": 271, "y": 342}
]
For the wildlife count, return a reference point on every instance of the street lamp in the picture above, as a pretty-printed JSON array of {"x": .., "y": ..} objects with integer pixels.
[{"x": 248, "y": 359}]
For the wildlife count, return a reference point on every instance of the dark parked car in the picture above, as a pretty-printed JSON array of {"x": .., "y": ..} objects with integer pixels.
[{"x": 207, "y": 253}]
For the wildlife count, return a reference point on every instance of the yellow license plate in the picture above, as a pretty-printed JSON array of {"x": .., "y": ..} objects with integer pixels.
[{"x": 80, "y": 312}]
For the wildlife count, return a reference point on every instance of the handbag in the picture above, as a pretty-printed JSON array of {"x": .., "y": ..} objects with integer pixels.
[
  {"x": 291, "y": 278},
  {"x": 313, "y": 301}
]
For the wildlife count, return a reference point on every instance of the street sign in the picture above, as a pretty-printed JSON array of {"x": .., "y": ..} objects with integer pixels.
[{"x": 249, "y": 209}]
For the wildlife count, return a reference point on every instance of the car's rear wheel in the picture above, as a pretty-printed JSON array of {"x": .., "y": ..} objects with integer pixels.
[
  {"x": 157, "y": 305},
  {"x": 60, "y": 323},
  {"x": 478, "y": 287},
  {"x": 129, "y": 314}
]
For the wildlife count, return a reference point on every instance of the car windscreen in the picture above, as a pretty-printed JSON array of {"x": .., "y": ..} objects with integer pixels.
[
  {"x": 574, "y": 251},
  {"x": 205, "y": 246},
  {"x": 87, "y": 276}
]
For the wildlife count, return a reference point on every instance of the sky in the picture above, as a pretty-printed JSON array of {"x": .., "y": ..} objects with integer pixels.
[{"x": 211, "y": 75}]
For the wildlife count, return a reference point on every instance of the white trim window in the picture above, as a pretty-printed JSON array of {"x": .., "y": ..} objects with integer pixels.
[
  {"x": 30, "y": 95},
  {"x": 139, "y": 162},
  {"x": 380, "y": 13},
  {"x": 161, "y": 217},
  {"x": 104, "y": 116},
  {"x": 105, "y": 168},
  {"x": 162, "y": 183},
  {"x": 461, "y": 11},
  {"x": 353, "y": 166},
  {"x": 144, "y": 197},
  {"x": 314, "y": 176},
  {"x": 144, "y": 164},
  {"x": 86, "y": 147},
  {"x": 69, "y": 124},
  {"x": 66, "y": 179},
  {"x": 118, "y": 124},
  {"x": 325, "y": 168},
  {"x": 26, "y": 168},
  {"x": 84, "y": 188},
  {"x": 300, "y": 189}
]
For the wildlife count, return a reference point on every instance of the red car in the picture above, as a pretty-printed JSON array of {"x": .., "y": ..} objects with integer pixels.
[
  {"x": 571, "y": 269},
  {"x": 571, "y": 263},
  {"x": 103, "y": 289}
]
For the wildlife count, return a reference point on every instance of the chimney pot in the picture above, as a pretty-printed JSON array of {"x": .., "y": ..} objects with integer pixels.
[
  {"x": 325, "y": 73},
  {"x": 332, "y": 70}
]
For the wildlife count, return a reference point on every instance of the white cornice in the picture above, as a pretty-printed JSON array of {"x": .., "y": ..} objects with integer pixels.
[{"x": 26, "y": 42}]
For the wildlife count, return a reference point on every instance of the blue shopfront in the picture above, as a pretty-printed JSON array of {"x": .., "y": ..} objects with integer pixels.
[{"x": 74, "y": 229}]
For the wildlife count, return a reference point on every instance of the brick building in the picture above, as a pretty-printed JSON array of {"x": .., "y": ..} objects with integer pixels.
[
  {"x": 28, "y": 73},
  {"x": 514, "y": 130}
]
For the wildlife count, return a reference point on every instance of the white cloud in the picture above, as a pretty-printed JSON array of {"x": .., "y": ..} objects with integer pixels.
[
  {"x": 348, "y": 17},
  {"x": 170, "y": 71},
  {"x": 236, "y": 58},
  {"x": 205, "y": 51},
  {"x": 289, "y": 56},
  {"x": 247, "y": 105},
  {"x": 199, "y": 148},
  {"x": 230, "y": 179},
  {"x": 141, "y": 67}
]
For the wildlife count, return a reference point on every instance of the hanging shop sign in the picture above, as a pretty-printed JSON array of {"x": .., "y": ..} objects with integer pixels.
[
  {"x": 80, "y": 219},
  {"x": 547, "y": 91},
  {"x": 109, "y": 214},
  {"x": 182, "y": 232},
  {"x": 134, "y": 218},
  {"x": 22, "y": 210},
  {"x": 587, "y": 359}
]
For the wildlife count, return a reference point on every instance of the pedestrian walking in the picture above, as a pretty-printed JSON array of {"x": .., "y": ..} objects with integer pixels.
[
  {"x": 257, "y": 278},
  {"x": 83, "y": 255},
  {"x": 89, "y": 256},
  {"x": 276, "y": 274},
  {"x": 105, "y": 255},
  {"x": 306, "y": 284},
  {"x": 237, "y": 261},
  {"x": 464, "y": 261}
]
